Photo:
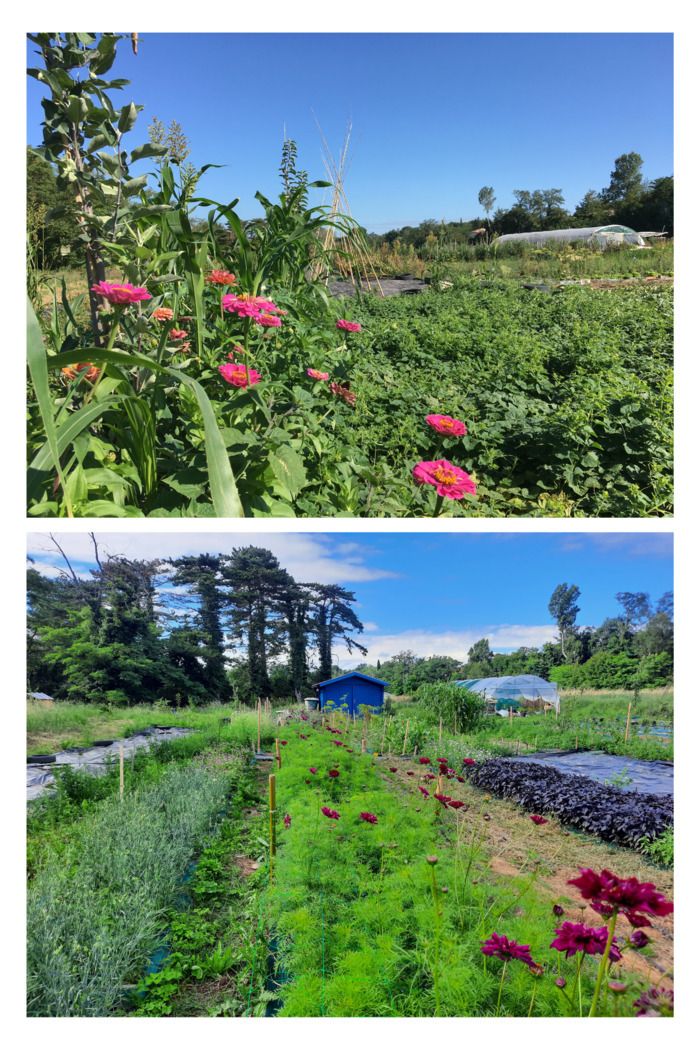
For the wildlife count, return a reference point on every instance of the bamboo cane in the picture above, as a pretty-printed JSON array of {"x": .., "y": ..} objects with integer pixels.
[
  {"x": 259, "y": 719},
  {"x": 405, "y": 738},
  {"x": 121, "y": 772},
  {"x": 273, "y": 809},
  {"x": 278, "y": 753},
  {"x": 629, "y": 716},
  {"x": 440, "y": 733},
  {"x": 383, "y": 735}
]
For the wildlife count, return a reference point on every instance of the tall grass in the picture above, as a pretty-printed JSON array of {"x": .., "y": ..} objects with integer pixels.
[{"x": 94, "y": 910}]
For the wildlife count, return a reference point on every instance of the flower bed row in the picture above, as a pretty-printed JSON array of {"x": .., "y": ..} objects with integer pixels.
[{"x": 622, "y": 817}]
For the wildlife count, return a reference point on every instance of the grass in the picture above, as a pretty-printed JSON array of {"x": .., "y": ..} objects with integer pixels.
[
  {"x": 51, "y": 728},
  {"x": 351, "y": 916}
]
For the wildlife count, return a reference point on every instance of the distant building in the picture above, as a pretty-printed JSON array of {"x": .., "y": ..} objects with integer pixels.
[
  {"x": 349, "y": 692},
  {"x": 41, "y": 696},
  {"x": 602, "y": 236}
]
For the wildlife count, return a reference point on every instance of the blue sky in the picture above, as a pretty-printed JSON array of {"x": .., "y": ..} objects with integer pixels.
[
  {"x": 430, "y": 592},
  {"x": 435, "y": 116}
]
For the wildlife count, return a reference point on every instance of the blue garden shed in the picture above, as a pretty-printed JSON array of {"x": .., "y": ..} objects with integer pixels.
[{"x": 349, "y": 692}]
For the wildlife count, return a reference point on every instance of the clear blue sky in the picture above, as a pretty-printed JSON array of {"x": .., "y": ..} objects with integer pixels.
[
  {"x": 435, "y": 116},
  {"x": 431, "y": 593}
]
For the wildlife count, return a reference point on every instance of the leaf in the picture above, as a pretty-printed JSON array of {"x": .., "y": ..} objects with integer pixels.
[
  {"x": 148, "y": 149},
  {"x": 127, "y": 117},
  {"x": 38, "y": 369},
  {"x": 224, "y": 492},
  {"x": 288, "y": 468}
]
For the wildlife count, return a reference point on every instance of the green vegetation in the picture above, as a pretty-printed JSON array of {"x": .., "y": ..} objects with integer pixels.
[
  {"x": 155, "y": 397},
  {"x": 660, "y": 849}
]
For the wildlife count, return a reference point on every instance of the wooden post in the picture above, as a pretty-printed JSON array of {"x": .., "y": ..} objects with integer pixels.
[
  {"x": 629, "y": 716},
  {"x": 383, "y": 735},
  {"x": 439, "y": 784},
  {"x": 405, "y": 738},
  {"x": 364, "y": 743},
  {"x": 278, "y": 753},
  {"x": 121, "y": 772},
  {"x": 273, "y": 805},
  {"x": 259, "y": 719}
]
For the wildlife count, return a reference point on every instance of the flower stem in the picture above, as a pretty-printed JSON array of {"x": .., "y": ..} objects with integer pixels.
[
  {"x": 500, "y": 988},
  {"x": 439, "y": 500},
  {"x": 603, "y": 964},
  {"x": 532, "y": 1000}
]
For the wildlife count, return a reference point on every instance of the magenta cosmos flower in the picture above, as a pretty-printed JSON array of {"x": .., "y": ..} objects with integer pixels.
[
  {"x": 573, "y": 937},
  {"x": 537, "y": 819},
  {"x": 238, "y": 375},
  {"x": 449, "y": 480},
  {"x": 348, "y": 326},
  {"x": 333, "y": 773},
  {"x": 393, "y": 769},
  {"x": 332, "y": 814},
  {"x": 120, "y": 294},
  {"x": 424, "y": 791},
  {"x": 500, "y": 947},
  {"x": 655, "y": 1002},
  {"x": 315, "y": 374},
  {"x": 287, "y": 820},
  {"x": 313, "y": 769},
  {"x": 468, "y": 762},
  {"x": 424, "y": 761},
  {"x": 446, "y": 425},
  {"x": 608, "y": 893},
  {"x": 369, "y": 818}
]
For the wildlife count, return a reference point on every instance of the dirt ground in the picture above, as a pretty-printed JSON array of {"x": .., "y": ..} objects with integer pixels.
[{"x": 517, "y": 847}]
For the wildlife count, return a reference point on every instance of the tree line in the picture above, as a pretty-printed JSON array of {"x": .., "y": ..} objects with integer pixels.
[
  {"x": 631, "y": 650},
  {"x": 628, "y": 200},
  {"x": 190, "y": 630}
]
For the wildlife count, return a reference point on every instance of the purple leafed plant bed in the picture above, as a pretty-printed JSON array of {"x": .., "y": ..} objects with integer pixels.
[{"x": 617, "y": 816}]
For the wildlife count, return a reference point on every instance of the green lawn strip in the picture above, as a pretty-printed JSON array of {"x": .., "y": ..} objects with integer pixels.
[{"x": 361, "y": 931}]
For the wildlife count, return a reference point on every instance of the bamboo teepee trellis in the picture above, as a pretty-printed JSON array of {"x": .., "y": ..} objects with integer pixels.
[{"x": 356, "y": 261}]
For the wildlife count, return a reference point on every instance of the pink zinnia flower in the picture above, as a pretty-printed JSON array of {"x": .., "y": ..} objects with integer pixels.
[
  {"x": 220, "y": 277},
  {"x": 370, "y": 818},
  {"x": 315, "y": 374},
  {"x": 500, "y": 947},
  {"x": 348, "y": 326},
  {"x": 332, "y": 814},
  {"x": 120, "y": 294},
  {"x": 446, "y": 425},
  {"x": 162, "y": 313},
  {"x": 245, "y": 305},
  {"x": 573, "y": 937},
  {"x": 177, "y": 333},
  {"x": 537, "y": 819},
  {"x": 237, "y": 375},
  {"x": 449, "y": 480},
  {"x": 268, "y": 320},
  {"x": 287, "y": 820}
]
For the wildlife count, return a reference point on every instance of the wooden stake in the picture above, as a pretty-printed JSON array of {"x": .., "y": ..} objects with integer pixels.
[
  {"x": 259, "y": 719},
  {"x": 121, "y": 772},
  {"x": 383, "y": 735},
  {"x": 278, "y": 753},
  {"x": 273, "y": 810},
  {"x": 405, "y": 739},
  {"x": 629, "y": 716},
  {"x": 364, "y": 743}
]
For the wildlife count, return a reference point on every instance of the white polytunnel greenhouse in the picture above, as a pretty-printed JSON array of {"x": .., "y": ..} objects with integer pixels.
[
  {"x": 516, "y": 691},
  {"x": 600, "y": 235}
]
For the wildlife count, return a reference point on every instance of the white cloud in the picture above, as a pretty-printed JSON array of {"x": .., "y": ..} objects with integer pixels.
[
  {"x": 371, "y": 626},
  {"x": 309, "y": 557},
  {"x": 449, "y": 643}
]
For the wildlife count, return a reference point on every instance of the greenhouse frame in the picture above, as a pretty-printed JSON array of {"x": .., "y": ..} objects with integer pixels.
[
  {"x": 603, "y": 236},
  {"x": 517, "y": 690}
]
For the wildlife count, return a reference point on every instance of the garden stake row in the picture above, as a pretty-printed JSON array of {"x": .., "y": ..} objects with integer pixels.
[{"x": 121, "y": 772}]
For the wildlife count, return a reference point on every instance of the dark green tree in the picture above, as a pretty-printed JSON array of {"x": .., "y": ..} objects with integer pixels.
[
  {"x": 331, "y": 617},
  {"x": 203, "y": 574},
  {"x": 564, "y": 610}
]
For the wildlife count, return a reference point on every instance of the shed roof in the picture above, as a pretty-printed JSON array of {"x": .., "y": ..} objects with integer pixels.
[{"x": 354, "y": 674}]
